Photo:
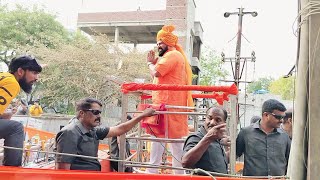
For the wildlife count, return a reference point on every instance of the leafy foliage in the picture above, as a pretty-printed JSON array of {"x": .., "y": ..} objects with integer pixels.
[
  {"x": 261, "y": 83},
  {"x": 211, "y": 69},
  {"x": 22, "y": 26},
  {"x": 76, "y": 67},
  {"x": 83, "y": 69},
  {"x": 283, "y": 87}
]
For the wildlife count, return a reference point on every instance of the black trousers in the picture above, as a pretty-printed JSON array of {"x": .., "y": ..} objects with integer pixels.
[
  {"x": 13, "y": 134},
  {"x": 114, "y": 165}
]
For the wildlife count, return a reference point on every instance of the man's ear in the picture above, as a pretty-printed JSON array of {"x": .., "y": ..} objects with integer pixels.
[
  {"x": 290, "y": 120},
  {"x": 264, "y": 114},
  {"x": 81, "y": 114},
  {"x": 20, "y": 71}
]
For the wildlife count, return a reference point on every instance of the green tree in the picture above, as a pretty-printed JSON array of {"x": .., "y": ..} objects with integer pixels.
[
  {"x": 211, "y": 70},
  {"x": 283, "y": 87},
  {"x": 23, "y": 26},
  {"x": 85, "y": 68},
  {"x": 75, "y": 67},
  {"x": 261, "y": 83}
]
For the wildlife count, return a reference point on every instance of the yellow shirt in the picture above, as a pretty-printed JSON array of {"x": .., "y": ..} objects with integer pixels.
[
  {"x": 35, "y": 111},
  {"x": 9, "y": 89}
]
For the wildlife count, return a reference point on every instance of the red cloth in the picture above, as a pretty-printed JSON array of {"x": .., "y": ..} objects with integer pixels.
[
  {"x": 155, "y": 124},
  {"x": 219, "y": 97},
  {"x": 144, "y": 96},
  {"x": 127, "y": 87}
]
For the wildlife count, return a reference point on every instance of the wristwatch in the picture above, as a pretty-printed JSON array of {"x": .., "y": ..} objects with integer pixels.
[{"x": 149, "y": 63}]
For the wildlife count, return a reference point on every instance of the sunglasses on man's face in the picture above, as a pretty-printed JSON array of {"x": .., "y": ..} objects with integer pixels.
[
  {"x": 95, "y": 112},
  {"x": 279, "y": 117}
]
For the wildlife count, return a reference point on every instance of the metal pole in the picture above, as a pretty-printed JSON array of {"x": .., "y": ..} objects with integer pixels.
[
  {"x": 139, "y": 145},
  {"x": 172, "y": 112},
  {"x": 116, "y": 35},
  {"x": 195, "y": 122},
  {"x": 226, "y": 107},
  {"x": 165, "y": 140},
  {"x": 237, "y": 64},
  {"x": 122, "y": 144},
  {"x": 238, "y": 47},
  {"x": 140, "y": 142},
  {"x": 233, "y": 135},
  {"x": 182, "y": 107},
  {"x": 235, "y": 111},
  {"x": 237, "y": 77},
  {"x": 132, "y": 134},
  {"x": 130, "y": 157}
]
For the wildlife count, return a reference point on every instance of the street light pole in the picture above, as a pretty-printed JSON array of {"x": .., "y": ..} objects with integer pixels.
[
  {"x": 237, "y": 76},
  {"x": 238, "y": 47}
]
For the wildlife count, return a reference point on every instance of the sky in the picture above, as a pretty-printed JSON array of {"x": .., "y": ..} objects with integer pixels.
[{"x": 270, "y": 34}]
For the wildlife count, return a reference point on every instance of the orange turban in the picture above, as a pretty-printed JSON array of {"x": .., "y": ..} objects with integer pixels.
[{"x": 166, "y": 36}]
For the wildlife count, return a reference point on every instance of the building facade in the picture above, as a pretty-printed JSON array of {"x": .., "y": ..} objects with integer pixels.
[{"x": 141, "y": 27}]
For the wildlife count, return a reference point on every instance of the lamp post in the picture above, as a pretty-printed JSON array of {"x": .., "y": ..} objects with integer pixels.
[{"x": 235, "y": 118}]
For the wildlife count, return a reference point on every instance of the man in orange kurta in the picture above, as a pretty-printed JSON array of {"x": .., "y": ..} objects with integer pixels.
[{"x": 171, "y": 68}]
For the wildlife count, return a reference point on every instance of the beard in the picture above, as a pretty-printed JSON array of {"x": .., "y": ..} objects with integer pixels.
[
  {"x": 25, "y": 86},
  {"x": 162, "y": 51}
]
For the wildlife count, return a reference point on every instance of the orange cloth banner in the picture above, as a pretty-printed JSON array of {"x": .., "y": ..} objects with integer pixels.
[
  {"x": 219, "y": 97},
  {"x": 127, "y": 87},
  {"x": 44, "y": 135}
]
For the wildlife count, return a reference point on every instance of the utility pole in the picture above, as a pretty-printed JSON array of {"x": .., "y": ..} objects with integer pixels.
[{"x": 237, "y": 74}]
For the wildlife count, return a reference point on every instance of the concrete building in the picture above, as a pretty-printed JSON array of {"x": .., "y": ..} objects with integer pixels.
[{"x": 141, "y": 27}]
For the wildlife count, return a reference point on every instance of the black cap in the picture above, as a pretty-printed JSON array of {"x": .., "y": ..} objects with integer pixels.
[{"x": 24, "y": 62}]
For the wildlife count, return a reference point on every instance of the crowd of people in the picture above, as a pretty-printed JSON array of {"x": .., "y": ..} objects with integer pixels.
[{"x": 265, "y": 143}]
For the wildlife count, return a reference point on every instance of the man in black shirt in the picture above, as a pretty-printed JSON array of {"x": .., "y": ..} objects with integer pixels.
[
  {"x": 265, "y": 147},
  {"x": 204, "y": 150},
  {"x": 82, "y": 136}
]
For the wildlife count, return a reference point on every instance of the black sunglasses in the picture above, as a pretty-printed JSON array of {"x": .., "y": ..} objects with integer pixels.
[
  {"x": 279, "y": 117},
  {"x": 95, "y": 112}
]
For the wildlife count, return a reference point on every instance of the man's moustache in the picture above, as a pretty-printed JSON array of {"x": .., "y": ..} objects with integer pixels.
[{"x": 99, "y": 121}]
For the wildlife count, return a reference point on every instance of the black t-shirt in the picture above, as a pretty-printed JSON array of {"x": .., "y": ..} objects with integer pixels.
[
  {"x": 214, "y": 158},
  {"x": 75, "y": 139}
]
